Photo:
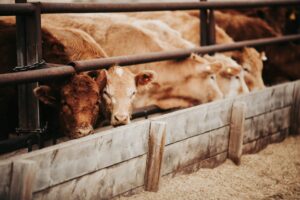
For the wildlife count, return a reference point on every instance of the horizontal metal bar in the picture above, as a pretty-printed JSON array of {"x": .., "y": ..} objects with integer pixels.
[
  {"x": 16, "y": 9},
  {"x": 93, "y": 64},
  {"x": 25, "y": 8},
  {"x": 18, "y": 142},
  {"x": 49, "y": 72},
  {"x": 53, "y": 70},
  {"x": 156, "y": 6}
]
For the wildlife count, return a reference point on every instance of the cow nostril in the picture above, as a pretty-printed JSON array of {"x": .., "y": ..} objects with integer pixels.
[{"x": 116, "y": 118}]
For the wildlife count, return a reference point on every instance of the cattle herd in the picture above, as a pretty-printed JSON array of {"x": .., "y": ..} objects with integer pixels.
[{"x": 79, "y": 103}]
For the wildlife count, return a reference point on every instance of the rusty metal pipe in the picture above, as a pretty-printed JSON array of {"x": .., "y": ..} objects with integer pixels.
[
  {"x": 179, "y": 54},
  {"x": 53, "y": 70},
  {"x": 133, "y": 7},
  {"x": 16, "y": 9}
]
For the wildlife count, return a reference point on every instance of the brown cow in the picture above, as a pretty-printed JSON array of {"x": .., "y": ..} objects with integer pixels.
[
  {"x": 283, "y": 59},
  {"x": 76, "y": 98}
]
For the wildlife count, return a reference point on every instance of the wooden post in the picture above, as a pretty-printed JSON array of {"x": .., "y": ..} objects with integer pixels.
[
  {"x": 295, "y": 118},
  {"x": 235, "y": 148},
  {"x": 156, "y": 146},
  {"x": 23, "y": 179}
]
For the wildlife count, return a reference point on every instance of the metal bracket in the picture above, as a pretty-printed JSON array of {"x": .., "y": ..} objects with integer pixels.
[
  {"x": 42, "y": 130},
  {"x": 29, "y": 67}
]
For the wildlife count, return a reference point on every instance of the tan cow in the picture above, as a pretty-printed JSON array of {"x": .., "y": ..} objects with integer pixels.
[
  {"x": 143, "y": 36},
  {"x": 230, "y": 78},
  {"x": 126, "y": 90},
  {"x": 75, "y": 98},
  {"x": 187, "y": 23}
]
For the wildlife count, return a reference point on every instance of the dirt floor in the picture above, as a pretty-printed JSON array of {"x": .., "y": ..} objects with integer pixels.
[{"x": 273, "y": 173}]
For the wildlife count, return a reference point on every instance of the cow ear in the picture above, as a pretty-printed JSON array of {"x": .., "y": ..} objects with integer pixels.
[
  {"x": 263, "y": 56},
  {"x": 102, "y": 79},
  {"x": 100, "y": 76},
  {"x": 45, "y": 94},
  {"x": 197, "y": 58},
  {"x": 145, "y": 77},
  {"x": 216, "y": 66},
  {"x": 211, "y": 68}
]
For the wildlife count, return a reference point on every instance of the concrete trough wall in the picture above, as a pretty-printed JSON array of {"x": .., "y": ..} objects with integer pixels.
[{"x": 115, "y": 161}]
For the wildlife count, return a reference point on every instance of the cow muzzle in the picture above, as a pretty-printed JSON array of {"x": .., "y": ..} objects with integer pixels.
[
  {"x": 81, "y": 132},
  {"x": 119, "y": 119}
]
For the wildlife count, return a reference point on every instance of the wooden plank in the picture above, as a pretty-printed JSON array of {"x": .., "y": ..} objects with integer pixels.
[
  {"x": 197, "y": 120},
  {"x": 218, "y": 141},
  {"x": 236, "y": 132},
  {"x": 5, "y": 180},
  {"x": 192, "y": 150},
  {"x": 102, "y": 184},
  {"x": 295, "y": 115},
  {"x": 210, "y": 162},
  {"x": 23, "y": 179},
  {"x": 259, "y": 144},
  {"x": 156, "y": 146},
  {"x": 266, "y": 124},
  {"x": 78, "y": 157},
  {"x": 269, "y": 99}
]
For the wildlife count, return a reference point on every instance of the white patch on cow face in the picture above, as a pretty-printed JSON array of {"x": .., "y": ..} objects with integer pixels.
[
  {"x": 130, "y": 92},
  {"x": 119, "y": 72},
  {"x": 215, "y": 86},
  {"x": 234, "y": 86}
]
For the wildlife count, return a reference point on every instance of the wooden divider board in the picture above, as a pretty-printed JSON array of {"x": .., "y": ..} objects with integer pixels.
[
  {"x": 295, "y": 114},
  {"x": 266, "y": 124},
  {"x": 75, "y": 158},
  {"x": 260, "y": 143},
  {"x": 269, "y": 99},
  {"x": 194, "y": 149},
  {"x": 191, "y": 136},
  {"x": 102, "y": 184},
  {"x": 5, "y": 179},
  {"x": 197, "y": 120}
]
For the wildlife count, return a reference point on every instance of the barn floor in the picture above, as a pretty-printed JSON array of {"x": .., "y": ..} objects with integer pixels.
[{"x": 273, "y": 173}]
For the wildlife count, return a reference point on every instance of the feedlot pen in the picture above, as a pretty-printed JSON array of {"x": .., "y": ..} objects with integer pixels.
[
  {"x": 112, "y": 162},
  {"x": 118, "y": 160}
]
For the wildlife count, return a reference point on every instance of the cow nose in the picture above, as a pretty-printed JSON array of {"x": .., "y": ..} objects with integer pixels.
[
  {"x": 82, "y": 131},
  {"x": 121, "y": 118}
]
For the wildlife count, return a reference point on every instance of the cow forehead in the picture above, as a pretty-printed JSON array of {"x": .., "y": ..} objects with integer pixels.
[
  {"x": 120, "y": 81},
  {"x": 80, "y": 86}
]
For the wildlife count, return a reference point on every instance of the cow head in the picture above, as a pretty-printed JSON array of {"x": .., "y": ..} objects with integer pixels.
[
  {"x": 204, "y": 79},
  {"x": 252, "y": 63},
  {"x": 231, "y": 76},
  {"x": 77, "y": 102},
  {"x": 120, "y": 90}
]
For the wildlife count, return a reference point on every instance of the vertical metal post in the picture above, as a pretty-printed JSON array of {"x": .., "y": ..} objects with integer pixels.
[
  {"x": 211, "y": 29},
  {"x": 203, "y": 27},
  {"x": 29, "y": 51}
]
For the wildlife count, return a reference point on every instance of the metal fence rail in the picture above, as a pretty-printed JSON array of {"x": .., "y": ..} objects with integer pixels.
[
  {"x": 12, "y": 9},
  {"x": 53, "y": 70}
]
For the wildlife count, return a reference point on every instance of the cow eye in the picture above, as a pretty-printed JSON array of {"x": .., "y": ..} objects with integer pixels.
[
  {"x": 246, "y": 69},
  {"x": 212, "y": 77},
  {"x": 237, "y": 77},
  {"x": 132, "y": 95},
  {"x": 105, "y": 93}
]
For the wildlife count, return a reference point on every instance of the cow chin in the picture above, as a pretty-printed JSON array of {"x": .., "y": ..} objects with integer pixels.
[{"x": 81, "y": 132}]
